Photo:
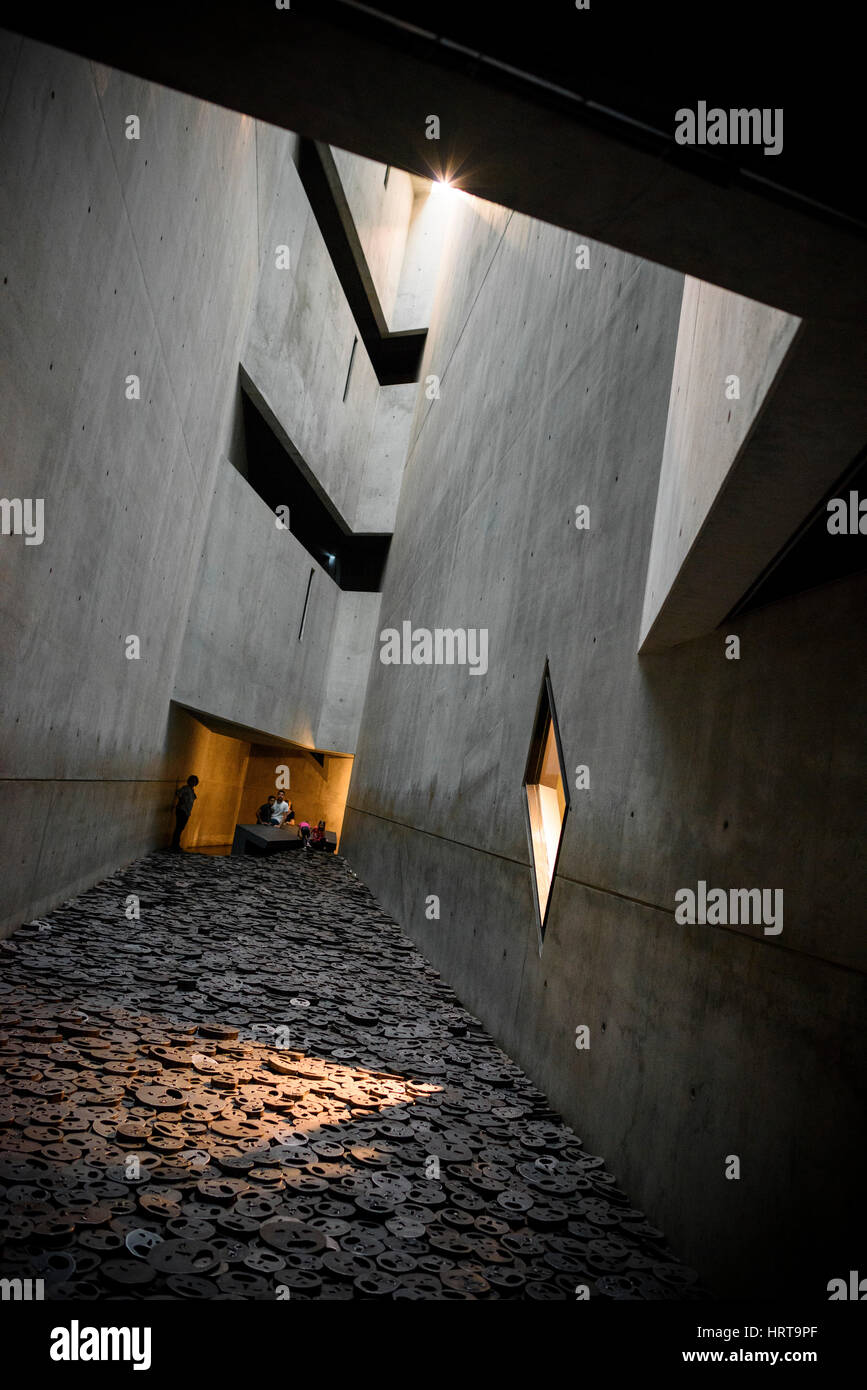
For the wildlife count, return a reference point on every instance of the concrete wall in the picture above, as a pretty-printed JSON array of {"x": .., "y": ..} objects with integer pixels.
[
  {"x": 299, "y": 345},
  {"x": 424, "y": 241},
  {"x": 721, "y": 336},
  {"x": 705, "y": 1042},
  {"x": 381, "y": 212},
  {"x": 379, "y": 490},
  {"x": 352, "y": 645},
  {"x": 156, "y": 257},
  {"x": 121, "y": 257},
  {"x": 241, "y": 650},
  {"x": 298, "y": 348}
]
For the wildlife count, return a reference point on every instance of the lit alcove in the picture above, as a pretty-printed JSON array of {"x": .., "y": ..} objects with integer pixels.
[{"x": 546, "y": 800}]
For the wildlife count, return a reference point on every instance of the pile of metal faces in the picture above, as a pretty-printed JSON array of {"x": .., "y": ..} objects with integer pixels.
[{"x": 232, "y": 1079}]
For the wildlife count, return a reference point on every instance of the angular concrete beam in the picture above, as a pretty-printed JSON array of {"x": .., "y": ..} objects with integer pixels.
[
  {"x": 809, "y": 422},
  {"x": 395, "y": 357},
  {"x": 337, "y": 75}
]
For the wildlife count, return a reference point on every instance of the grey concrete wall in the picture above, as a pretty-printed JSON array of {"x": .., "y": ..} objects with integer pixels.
[
  {"x": 156, "y": 257},
  {"x": 721, "y": 335},
  {"x": 705, "y": 1042},
  {"x": 300, "y": 338},
  {"x": 424, "y": 240},
  {"x": 381, "y": 213},
  {"x": 379, "y": 489},
  {"x": 241, "y": 653},
  {"x": 120, "y": 257},
  {"x": 353, "y": 642},
  {"x": 298, "y": 348},
  {"x": 274, "y": 149}
]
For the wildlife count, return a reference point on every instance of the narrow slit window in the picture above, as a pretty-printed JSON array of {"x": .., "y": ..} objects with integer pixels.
[
  {"x": 546, "y": 801},
  {"x": 387, "y": 172},
  {"x": 349, "y": 368},
  {"x": 306, "y": 601}
]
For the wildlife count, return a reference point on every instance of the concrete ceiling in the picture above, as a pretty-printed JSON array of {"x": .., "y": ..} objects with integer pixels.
[{"x": 563, "y": 114}]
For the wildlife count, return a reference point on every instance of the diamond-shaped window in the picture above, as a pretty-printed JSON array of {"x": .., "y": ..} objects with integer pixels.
[{"x": 546, "y": 800}]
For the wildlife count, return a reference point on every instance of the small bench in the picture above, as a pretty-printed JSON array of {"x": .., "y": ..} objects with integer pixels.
[
  {"x": 263, "y": 839},
  {"x": 272, "y": 839}
]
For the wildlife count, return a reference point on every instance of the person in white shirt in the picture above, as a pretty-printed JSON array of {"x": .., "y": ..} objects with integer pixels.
[{"x": 280, "y": 810}]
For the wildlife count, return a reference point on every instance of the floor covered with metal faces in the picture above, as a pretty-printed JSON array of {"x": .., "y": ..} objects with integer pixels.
[{"x": 233, "y": 1078}]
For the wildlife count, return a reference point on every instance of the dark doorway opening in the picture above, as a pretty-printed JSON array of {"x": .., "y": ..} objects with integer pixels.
[{"x": 814, "y": 555}]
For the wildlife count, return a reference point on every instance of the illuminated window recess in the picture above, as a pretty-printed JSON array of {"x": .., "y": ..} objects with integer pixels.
[{"x": 546, "y": 799}]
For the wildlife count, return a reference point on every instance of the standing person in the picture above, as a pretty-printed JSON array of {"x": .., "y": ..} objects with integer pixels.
[
  {"x": 304, "y": 834},
  {"x": 183, "y": 809},
  {"x": 317, "y": 836}
]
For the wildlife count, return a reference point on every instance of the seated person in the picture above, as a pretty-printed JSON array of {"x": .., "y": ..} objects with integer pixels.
[
  {"x": 289, "y": 818},
  {"x": 317, "y": 836},
  {"x": 279, "y": 810},
  {"x": 265, "y": 811}
]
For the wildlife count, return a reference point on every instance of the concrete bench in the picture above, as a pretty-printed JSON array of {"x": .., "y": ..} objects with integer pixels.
[
  {"x": 272, "y": 839},
  {"x": 264, "y": 839}
]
